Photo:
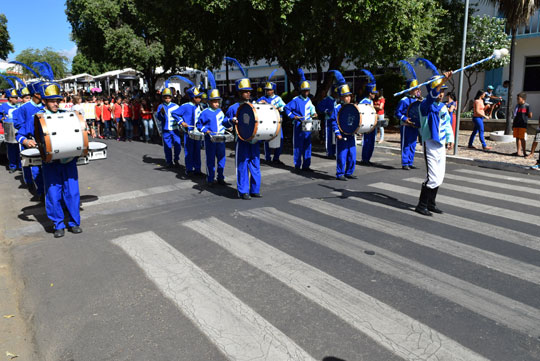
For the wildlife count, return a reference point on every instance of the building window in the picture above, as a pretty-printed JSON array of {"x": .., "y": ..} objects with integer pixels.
[{"x": 531, "y": 81}]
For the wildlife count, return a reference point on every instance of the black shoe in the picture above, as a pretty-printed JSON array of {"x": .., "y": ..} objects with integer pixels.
[
  {"x": 256, "y": 195},
  {"x": 422, "y": 207},
  {"x": 308, "y": 169},
  {"x": 330, "y": 157},
  {"x": 199, "y": 173},
  {"x": 244, "y": 196},
  {"x": 211, "y": 184},
  {"x": 341, "y": 178},
  {"x": 413, "y": 167},
  {"x": 431, "y": 205},
  {"x": 351, "y": 177},
  {"x": 366, "y": 163},
  {"x": 278, "y": 162},
  {"x": 169, "y": 165},
  {"x": 12, "y": 171},
  {"x": 177, "y": 163},
  {"x": 406, "y": 167},
  {"x": 423, "y": 211},
  {"x": 59, "y": 233},
  {"x": 222, "y": 182},
  {"x": 75, "y": 229}
]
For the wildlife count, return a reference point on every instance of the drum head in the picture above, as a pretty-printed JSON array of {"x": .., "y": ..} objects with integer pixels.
[
  {"x": 96, "y": 146},
  {"x": 413, "y": 112},
  {"x": 348, "y": 119},
  {"x": 30, "y": 152},
  {"x": 247, "y": 121}
]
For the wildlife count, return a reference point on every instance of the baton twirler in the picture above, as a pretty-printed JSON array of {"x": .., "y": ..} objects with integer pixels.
[{"x": 497, "y": 54}]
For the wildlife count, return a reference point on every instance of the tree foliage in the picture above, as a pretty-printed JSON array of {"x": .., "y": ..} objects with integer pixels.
[
  {"x": 82, "y": 64},
  {"x": 5, "y": 46},
  {"x": 57, "y": 61}
]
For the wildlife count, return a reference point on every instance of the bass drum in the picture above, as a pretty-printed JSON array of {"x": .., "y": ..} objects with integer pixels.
[
  {"x": 61, "y": 135},
  {"x": 368, "y": 118},
  {"x": 349, "y": 119},
  {"x": 257, "y": 122}
]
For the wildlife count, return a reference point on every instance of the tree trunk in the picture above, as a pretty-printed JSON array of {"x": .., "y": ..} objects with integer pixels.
[
  {"x": 335, "y": 63},
  {"x": 508, "y": 128}
]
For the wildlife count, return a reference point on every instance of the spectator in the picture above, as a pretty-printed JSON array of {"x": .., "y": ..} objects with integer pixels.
[
  {"x": 99, "y": 120},
  {"x": 533, "y": 147},
  {"x": 522, "y": 113},
  {"x": 77, "y": 105},
  {"x": 89, "y": 108},
  {"x": 378, "y": 104},
  {"x": 478, "y": 119},
  {"x": 451, "y": 104},
  {"x": 502, "y": 91},
  {"x": 117, "y": 114},
  {"x": 127, "y": 116},
  {"x": 106, "y": 118},
  {"x": 148, "y": 123},
  {"x": 136, "y": 108}
]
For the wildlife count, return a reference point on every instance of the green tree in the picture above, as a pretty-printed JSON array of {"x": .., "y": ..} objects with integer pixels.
[
  {"x": 81, "y": 64},
  {"x": 57, "y": 61},
  {"x": 517, "y": 13},
  {"x": 5, "y": 46}
]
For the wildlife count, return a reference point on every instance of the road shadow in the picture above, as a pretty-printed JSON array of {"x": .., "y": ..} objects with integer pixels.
[
  {"x": 332, "y": 358},
  {"x": 200, "y": 184},
  {"x": 375, "y": 165},
  {"x": 315, "y": 174},
  {"x": 375, "y": 197},
  {"x": 162, "y": 165}
]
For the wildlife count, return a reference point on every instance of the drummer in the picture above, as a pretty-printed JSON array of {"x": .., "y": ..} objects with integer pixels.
[
  {"x": 326, "y": 107},
  {"x": 187, "y": 116},
  {"x": 247, "y": 153},
  {"x": 300, "y": 109},
  {"x": 60, "y": 176},
  {"x": 6, "y": 111},
  {"x": 23, "y": 119},
  {"x": 170, "y": 131},
  {"x": 211, "y": 122},
  {"x": 368, "y": 144},
  {"x": 271, "y": 98}
]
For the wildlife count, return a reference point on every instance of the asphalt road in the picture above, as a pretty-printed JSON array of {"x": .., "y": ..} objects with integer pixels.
[{"x": 318, "y": 269}]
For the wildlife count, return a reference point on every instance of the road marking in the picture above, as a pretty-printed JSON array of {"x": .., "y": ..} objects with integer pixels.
[
  {"x": 238, "y": 331},
  {"x": 390, "y": 328},
  {"x": 479, "y": 192},
  {"x": 484, "y": 182},
  {"x": 499, "y": 176},
  {"x": 461, "y": 203},
  {"x": 470, "y": 225},
  {"x": 501, "y": 309}
]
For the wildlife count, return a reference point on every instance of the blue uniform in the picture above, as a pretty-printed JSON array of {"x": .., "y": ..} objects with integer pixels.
[
  {"x": 346, "y": 148},
  {"x": 212, "y": 120},
  {"x": 436, "y": 123},
  {"x": 326, "y": 107},
  {"x": 303, "y": 108},
  {"x": 188, "y": 114},
  {"x": 279, "y": 104},
  {"x": 23, "y": 119},
  {"x": 171, "y": 134},
  {"x": 61, "y": 181},
  {"x": 247, "y": 159},
  {"x": 409, "y": 134},
  {"x": 368, "y": 144},
  {"x": 13, "y": 150}
]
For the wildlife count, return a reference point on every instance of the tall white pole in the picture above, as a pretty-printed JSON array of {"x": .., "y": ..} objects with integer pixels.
[{"x": 460, "y": 89}]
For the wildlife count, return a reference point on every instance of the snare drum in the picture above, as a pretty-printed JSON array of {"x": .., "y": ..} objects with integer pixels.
[
  {"x": 311, "y": 125},
  {"x": 30, "y": 157},
  {"x": 61, "y": 135},
  {"x": 9, "y": 132},
  {"x": 257, "y": 122},
  {"x": 96, "y": 151},
  {"x": 195, "y": 134},
  {"x": 368, "y": 118},
  {"x": 221, "y": 138},
  {"x": 82, "y": 161}
]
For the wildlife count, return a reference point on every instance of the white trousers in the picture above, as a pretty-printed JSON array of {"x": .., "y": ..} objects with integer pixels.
[{"x": 435, "y": 156}]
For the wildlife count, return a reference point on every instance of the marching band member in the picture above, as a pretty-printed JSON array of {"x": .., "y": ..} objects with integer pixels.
[
  {"x": 409, "y": 129},
  {"x": 247, "y": 153},
  {"x": 436, "y": 131},
  {"x": 299, "y": 109},
  {"x": 271, "y": 98},
  {"x": 170, "y": 131},
  {"x": 211, "y": 121},
  {"x": 187, "y": 116},
  {"x": 368, "y": 144},
  {"x": 326, "y": 107},
  {"x": 60, "y": 176},
  {"x": 6, "y": 116},
  {"x": 346, "y": 144}
]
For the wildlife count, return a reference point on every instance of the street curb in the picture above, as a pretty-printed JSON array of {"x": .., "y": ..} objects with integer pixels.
[{"x": 509, "y": 167}]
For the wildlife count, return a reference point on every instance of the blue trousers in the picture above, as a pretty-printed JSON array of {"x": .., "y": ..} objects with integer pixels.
[
  {"x": 368, "y": 145},
  {"x": 213, "y": 151},
  {"x": 346, "y": 156},
  {"x": 478, "y": 128},
  {"x": 107, "y": 131},
  {"x": 329, "y": 134},
  {"x": 128, "y": 126},
  {"x": 171, "y": 138},
  {"x": 62, "y": 190},
  {"x": 277, "y": 151},
  {"x": 14, "y": 155},
  {"x": 192, "y": 153},
  {"x": 248, "y": 162},
  {"x": 409, "y": 136},
  {"x": 302, "y": 147}
]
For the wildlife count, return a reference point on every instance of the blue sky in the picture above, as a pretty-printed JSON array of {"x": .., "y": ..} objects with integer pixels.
[{"x": 38, "y": 24}]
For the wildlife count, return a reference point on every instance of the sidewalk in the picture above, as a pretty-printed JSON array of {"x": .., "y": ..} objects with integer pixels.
[{"x": 500, "y": 157}]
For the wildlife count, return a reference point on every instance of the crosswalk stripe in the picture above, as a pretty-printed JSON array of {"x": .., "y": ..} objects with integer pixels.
[
  {"x": 461, "y": 203},
  {"x": 513, "y": 314},
  {"x": 499, "y": 176},
  {"x": 484, "y": 182},
  {"x": 238, "y": 331},
  {"x": 483, "y": 193},
  {"x": 484, "y": 229},
  {"x": 503, "y": 264},
  {"x": 392, "y": 329}
]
